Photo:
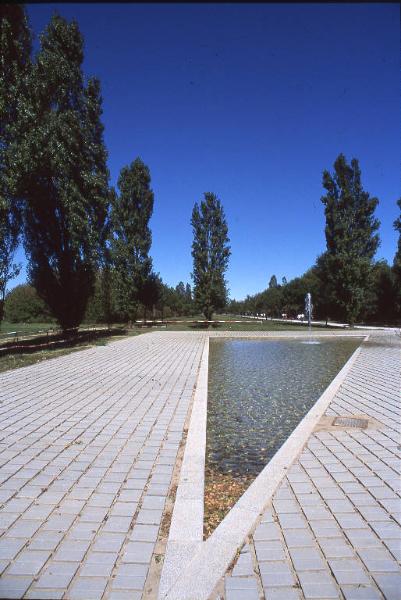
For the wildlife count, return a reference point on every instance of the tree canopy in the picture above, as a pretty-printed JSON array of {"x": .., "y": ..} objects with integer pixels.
[
  {"x": 131, "y": 237},
  {"x": 15, "y": 51},
  {"x": 351, "y": 239},
  {"x": 210, "y": 253},
  {"x": 57, "y": 164}
]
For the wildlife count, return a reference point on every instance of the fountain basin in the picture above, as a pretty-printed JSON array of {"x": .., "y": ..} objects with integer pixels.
[{"x": 258, "y": 392}]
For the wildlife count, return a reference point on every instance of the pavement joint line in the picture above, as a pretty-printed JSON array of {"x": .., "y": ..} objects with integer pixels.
[{"x": 210, "y": 561}]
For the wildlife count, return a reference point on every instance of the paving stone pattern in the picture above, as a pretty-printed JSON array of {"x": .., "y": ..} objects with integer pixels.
[
  {"x": 333, "y": 529},
  {"x": 88, "y": 444}
]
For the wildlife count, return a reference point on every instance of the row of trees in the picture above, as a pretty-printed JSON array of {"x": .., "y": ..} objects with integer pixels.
[
  {"x": 83, "y": 239},
  {"x": 23, "y": 305},
  {"x": 346, "y": 283},
  {"x": 88, "y": 245}
]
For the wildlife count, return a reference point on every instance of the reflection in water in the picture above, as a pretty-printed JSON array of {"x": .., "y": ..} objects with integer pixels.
[{"x": 259, "y": 390}]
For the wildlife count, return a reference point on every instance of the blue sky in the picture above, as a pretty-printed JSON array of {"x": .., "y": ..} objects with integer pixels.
[{"x": 252, "y": 102}]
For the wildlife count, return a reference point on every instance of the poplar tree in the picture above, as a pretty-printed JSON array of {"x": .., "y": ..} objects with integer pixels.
[
  {"x": 397, "y": 260},
  {"x": 131, "y": 237},
  {"x": 59, "y": 169},
  {"x": 273, "y": 282},
  {"x": 210, "y": 252},
  {"x": 351, "y": 239},
  {"x": 15, "y": 50}
]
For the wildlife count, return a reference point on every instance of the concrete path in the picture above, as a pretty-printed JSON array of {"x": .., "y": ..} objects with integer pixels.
[{"x": 88, "y": 444}]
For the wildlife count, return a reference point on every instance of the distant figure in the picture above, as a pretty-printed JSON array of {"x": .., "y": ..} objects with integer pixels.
[
  {"x": 283, "y": 315},
  {"x": 301, "y": 316}
]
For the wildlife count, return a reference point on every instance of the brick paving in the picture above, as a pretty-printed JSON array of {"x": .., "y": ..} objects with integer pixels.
[
  {"x": 88, "y": 444},
  {"x": 333, "y": 529}
]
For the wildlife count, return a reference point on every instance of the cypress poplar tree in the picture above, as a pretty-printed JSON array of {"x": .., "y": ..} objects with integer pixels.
[
  {"x": 273, "y": 282},
  {"x": 15, "y": 50},
  {"x": 397, "y": 261},
  {"x": 351, "y": 239},
  {"x": 210, "y": 252},
  {"x": 131, "y": 237},
  {"x": 59, "y": 169}
]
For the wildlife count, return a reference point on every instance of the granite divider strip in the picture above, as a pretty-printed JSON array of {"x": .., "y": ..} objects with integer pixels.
[
  {"x": 194, "y": 568},
  {"x": 186, "y": 529}
]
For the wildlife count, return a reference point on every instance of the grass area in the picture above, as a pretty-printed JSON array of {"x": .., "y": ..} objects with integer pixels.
[
  {"x": 242, "y": 324},
  {"x": 6, "y": 328}
]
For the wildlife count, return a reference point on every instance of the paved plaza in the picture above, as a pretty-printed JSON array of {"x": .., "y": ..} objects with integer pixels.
[{"x": 88, "y": 446}]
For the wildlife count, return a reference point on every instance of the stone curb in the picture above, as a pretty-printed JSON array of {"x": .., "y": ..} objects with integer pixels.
[
  {"x": 200, "y": 565},
  {"x": 186, "y": 530}
]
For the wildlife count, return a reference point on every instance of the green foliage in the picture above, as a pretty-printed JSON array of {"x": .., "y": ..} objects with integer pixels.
[
  {"x": 15, "y": 49},
  {"x": 397, "y": 261},
  {"x": 151, "y": 293},
  {"x": 210, "y": 252},
  {"x": 57, "y": 165},
  {"x": 273, "y": 282},
  {"x": 351, "y": 239},
  {"x": 382, "y": 305},
  {"x": 131, "y": 237},
  {"x": 23, "y": 305}
]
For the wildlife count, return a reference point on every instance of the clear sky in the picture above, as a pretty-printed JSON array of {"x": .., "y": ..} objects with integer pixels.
[{"x": 251, "y": 102}]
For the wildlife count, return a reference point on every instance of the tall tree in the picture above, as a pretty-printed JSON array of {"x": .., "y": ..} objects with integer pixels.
[
  {"x": 58, "y": 165},
  {"x": 351, "y": 238},
  {"x": 397, "y": 261},
  {"x": 131, "y": 237},
  {"x": 210, "y": 252},
  {"x": 273, "y": 282},
  {"x": 15, "y": 50},
  {"x": 151, "y": 293}
]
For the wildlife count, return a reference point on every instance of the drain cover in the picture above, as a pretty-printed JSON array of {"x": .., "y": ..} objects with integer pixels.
[{"x": 351, "y": 422}]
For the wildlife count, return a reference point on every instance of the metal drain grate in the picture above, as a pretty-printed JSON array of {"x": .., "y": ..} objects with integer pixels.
[{"x": 351, "y": 422}]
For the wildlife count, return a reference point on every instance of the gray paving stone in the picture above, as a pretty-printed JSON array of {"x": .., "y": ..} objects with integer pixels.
[
  {"x": 29, "y": 562},
  {"x": 318, "y": 585},
  {"x": 138, "y": 552},
  {"x": 277, "y": 579},
  {"x": 14, "y": 587},
  {"x": 124, "y": 595},
  {"x": 129, "y": 582},
  {"x": 9, "y": 547},
  {"x": 267, "y": 531},
  {"x": 88, "y": 588},
  {"x": 378, "y": 559},
  {"x": 284, "y": 593},
  {"x": 144, "y": 533},
  {"x": 240, "y": 583},
  {"x": 57, "y": 575},
  {"x": 360, "y": 593},
  {"x": 348, "y": 571},
  {"x": 242, "y": 595},
  {"x": 269, "y": 550},
  {"x": 71, "y": 551},
  {"x": 298, "y": 538},
  {"x": 389, "y": 584},
  {"x": 306, "y": 559}
]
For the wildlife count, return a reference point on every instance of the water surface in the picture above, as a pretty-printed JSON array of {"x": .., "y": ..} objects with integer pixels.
[{"x": 259, "y": 390}]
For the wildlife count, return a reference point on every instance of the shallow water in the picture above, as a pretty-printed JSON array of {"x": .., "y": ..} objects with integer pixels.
[{"x": 259, "y": 390}]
